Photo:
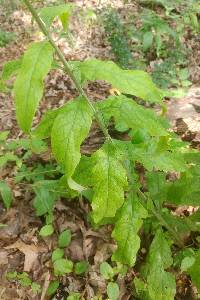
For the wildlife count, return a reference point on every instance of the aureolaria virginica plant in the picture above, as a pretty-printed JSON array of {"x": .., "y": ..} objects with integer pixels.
[{"x": 109, "y": 178}]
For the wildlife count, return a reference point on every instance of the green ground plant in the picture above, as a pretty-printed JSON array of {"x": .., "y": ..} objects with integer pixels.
[
  {"x": 128, "y": 183},
  {"x": 6, "y": 37},
  {"x": 154, "y": 37},
  {"x": 24, "y": 280},
  {"x": 116, "y": 35}
]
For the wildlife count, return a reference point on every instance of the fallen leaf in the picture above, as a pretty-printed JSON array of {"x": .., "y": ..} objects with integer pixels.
[
  {"x": 3, "y": 257},
  {"x": 30, "y": 251}
]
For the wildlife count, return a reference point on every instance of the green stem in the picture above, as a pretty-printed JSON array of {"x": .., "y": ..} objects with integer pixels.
[
  {"x": 67, "y": 68},
  {"x": 162, "y": 221}
]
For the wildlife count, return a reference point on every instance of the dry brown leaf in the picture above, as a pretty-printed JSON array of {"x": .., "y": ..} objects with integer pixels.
[
  {"x": 30, "y": 251},
  {"x": 104, "y": 252},
  {"x": 3, "y": 257}
]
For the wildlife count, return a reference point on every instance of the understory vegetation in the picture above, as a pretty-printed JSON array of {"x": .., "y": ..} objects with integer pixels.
[{"x": 139, "y": 174}]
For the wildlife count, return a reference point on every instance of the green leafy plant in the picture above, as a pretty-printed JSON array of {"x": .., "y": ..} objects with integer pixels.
[
  {"x": 6, "y": 37},
  {"x": 24, "y": 280},
  {"x": 53, "y": 286},
  {"x": 112, "y": 174},
  {"x": 156, "y": 33},
  {"x": 116, "y": 35},
  {"x": 152, "y": 37},
  {"x": 81, "y": 267},
  {"x": 165, "y": 75},
  {"x": 109, "y": 272},
  {"x": 6, "y": 194}
]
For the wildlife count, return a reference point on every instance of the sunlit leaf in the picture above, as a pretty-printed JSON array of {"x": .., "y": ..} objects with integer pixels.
[{"x": 28, "y": 87}]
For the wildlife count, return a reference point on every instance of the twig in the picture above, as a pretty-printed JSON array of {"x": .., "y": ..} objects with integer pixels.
[{"x": 46, "y": 285}]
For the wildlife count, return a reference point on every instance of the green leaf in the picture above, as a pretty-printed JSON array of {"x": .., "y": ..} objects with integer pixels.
[
  {"x": 156, "y": 154},
  {"x": 194, "y": 221},
  {"x": 133, "y": 82},
  {"x": 4, "y": 135},
  {"x": 185, "y": 190},
  {"x": 147, "y": 40},
  {"x": 65, "y": 20},
  {"x": 180, "y": 255},
  {"x": 109, "y": 182},
  {"x": 8, "y": 156},
  {"x": 194, "y": 271},
  {"x": 43, "y": 130},
  {"x": 113, "y": 291},
  {"x": 62, "y": 266},
  {"x": 24, "y": 279},
  {"x": 106, "y": 270},
  {"x": 48, "y": 14},
  {"x": 45, "y": 196},
  {"x": 38, "y": 146},
  {"x": 83, "y": 171},
  {"x": 36, "y": 288},
  {"x": 141, "y": 288},
  {"x": 194, "y": 21},
  {"x": 69, "y": 131},
  {"x": 74, "y": 296},
  {"x": 157, "y": 187},
  {"x": 11, "y": 275},
  {"x": 179, "y": 225},
  {"x": 57, "y": 254},
  {"x": 126, "y": 230},
  {"x": 28, "y": 88},
  {"x": 6, "y": 194},
  {"x": 187, "y": 262},
  {"x": 11, "y": 68},
  {"x": 161, "y": 284},
  {"x": 46, "y": 230},
  {"x": 81, "y": 267},
  {"x": 128, "y": 114},
  {"x": 53, "y": 286},
  {"x": 64, "y": 238}
]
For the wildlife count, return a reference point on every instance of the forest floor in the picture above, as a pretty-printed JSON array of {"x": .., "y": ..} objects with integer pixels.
[{"x": 21, "y": 249}]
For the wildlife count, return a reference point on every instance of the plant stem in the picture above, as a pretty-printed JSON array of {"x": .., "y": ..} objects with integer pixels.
[
  {"x": 162, "y": 221},
  {"x": 67, "y": 68}
]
